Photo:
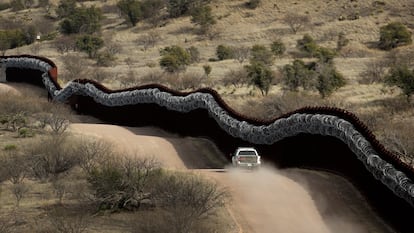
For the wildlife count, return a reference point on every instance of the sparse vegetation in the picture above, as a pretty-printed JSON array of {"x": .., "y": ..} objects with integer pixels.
[
  {"x": 224, "y": 52},
  {"x": 393, "y": 35},
  {"x": 174, "y": 59},
  {"x": 89, "y": 44},
  {"x": 402, "y": 77},
  {"x": 132, "y": 10}
]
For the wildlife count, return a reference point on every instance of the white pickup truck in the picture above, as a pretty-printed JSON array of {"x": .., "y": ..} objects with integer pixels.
[{"x": 246, "y": 157}]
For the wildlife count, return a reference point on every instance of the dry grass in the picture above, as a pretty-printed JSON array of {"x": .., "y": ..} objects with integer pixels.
[{"x": 381, "y": 108}]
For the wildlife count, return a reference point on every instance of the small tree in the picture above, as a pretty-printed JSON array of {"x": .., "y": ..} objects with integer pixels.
[
  {"x": 260, "y": 76},
  {"x": 393, "y": 35},
  {"x": 298, "y": 75},
  {"x": 308, "y": 45},
  {"x": 259, "y": 53},
  {"x": 202, "y": 16},
  {"x": 131, "y": 10},
  {"x": 278, "y": 48},
  {"x": 296, "y": 21},
  {"x": 402, "y": 77},
  {"x": 89, "y": 44},
  {"x": 224, "y": 52},
  {"x": 174, "y": 59},
  {"x": 194, "y": 54},
  {"x": 329, "y": 80},
  {"x": 85, "y": 20}
]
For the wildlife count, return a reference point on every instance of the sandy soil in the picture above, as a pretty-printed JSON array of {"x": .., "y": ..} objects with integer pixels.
[{"x": 265, "y": 201}]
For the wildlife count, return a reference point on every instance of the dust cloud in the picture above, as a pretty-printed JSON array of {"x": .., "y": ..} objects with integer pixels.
[{"x": 271, "y": 202}]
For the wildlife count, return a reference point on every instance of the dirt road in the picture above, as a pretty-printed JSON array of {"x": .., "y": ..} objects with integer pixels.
[{"x": 266, "y": 201}]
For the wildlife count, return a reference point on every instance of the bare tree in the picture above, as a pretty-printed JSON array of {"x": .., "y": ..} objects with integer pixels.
[
  {"x": 189, "y": 198},
  {"x": 65, "y": 44},
  {"x": 123, "y": 184},
  {"x": 92, "y": 153},
  {"x": 241, "y": 53},
  {"x": 19, "y": 190},
  {"x": 74, "y": 67},
  {"x": 296, "y": 21},
  {"x": 149, "y": 40},
  {"x": 13, "y": 166},
  {"x": 52, "y": 156},
  {"x": 237, "y": 78}
]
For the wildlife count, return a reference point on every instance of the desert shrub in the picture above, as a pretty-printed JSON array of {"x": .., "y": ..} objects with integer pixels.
[
  {"x": 82, "y": 20},
  {"x": 298, "y": 75},
  {"x": 307, "y": 45},
  {"x": 402, "y": 77},
  {"x": 224, "y": 52},
  {"x": 19, "y": 190},
  {"x": 65, "y": 44},
  {"x": 260, "y": 76},
  {"x": 207, "y": 69},
  {"x": 253, "y": 4},
  {"x": 13, "y": 38},
  {"x": 14, "y": 166},
  {"x": 203, "y": 17},
  {"x": 310, "y": 48},
  {"x": 237, "y": 78},
  {"x": 329, "y": 80},
  {"x": 66, "y": 8},
  {"x": 105, "y": 58},
  {"x": 89, "y": 44},
  {"x": 373, "y": 73},
  {"x": 278, "y": 48},
  {"x": 188, "y": 199},
  {"x": 241, "y": 53},
  {"x": 296, "y": 21},
  {"x": 177, "y": 8},
  {"x": 189, "y": 81},
  {"x": 260, "y": 54},
  {"x": 65, "y": 220},
  {"x": 152, "y": 8},
  {"x": 52, "y": 156},
  {"x": 393, "y": 35},
  {"x": 149, "y": 40},
  {"x": 174, "y": 59},
  {"x": 194, "y": 54},
  {"x": 123, "y": 184},
  {"x": 131, "y": 10}
]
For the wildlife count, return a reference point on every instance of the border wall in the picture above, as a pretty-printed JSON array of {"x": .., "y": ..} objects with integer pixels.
[{"x": 322, "y": 138}]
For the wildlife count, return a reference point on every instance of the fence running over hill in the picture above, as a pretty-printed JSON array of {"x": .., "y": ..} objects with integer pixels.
[{"x": 194, "y": 113}]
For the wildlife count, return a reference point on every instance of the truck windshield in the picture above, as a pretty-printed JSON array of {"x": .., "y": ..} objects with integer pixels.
[{"x": 247, "y": 152}]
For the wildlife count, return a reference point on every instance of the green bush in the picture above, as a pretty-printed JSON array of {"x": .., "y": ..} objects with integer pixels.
[
  {"x": 259, "y": 53},
  {"x": 307, "y": 45},
  {"x": 260, "y": 76},
  {"x": 177, "y": 8},
  {"x": 278, "y": 48},
  {"x": 224, "y": 52},
  {"x": 132, "y": 10},
  {"x": 298, "y": 75},
  {"x": 202, "y": 16},
  {"x": 174, "y": 59},
  {"x": 329, "y": 80},
  {"x": 89, "y": 44},
  {"x": 17, "y": 5},
  {"x": 207, "y": 69},
  {"x": 393, "y": 35},
  {"x": 84, "y": 20}
]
